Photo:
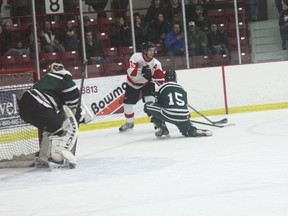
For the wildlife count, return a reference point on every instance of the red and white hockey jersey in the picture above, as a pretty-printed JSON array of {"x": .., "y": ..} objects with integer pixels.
[{"x": 134, "y": 71}]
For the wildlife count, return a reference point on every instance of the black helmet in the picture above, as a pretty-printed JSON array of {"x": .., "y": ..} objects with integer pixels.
[
  {"x": 147, "y": 45},
  {"x": 170, "y": 75}
]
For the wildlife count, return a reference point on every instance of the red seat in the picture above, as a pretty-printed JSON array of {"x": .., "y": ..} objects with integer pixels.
[
  {"x": 125, "y": 50},
  {"x": 49, "y": 57},
  {"x": 217, "y": 15},
  {"x": 105, "y": 24},
  {"x": 222, "y": 27},
  {"x": 180, "y": 62},
  {"x": 245, "y": 58},
  {"x": 233, "y": 42},
  {"x": 95, "y": 70},
  {"x": 232, "y": 25},
  {"x": 7, "y": 62},
  {"x": 220, "y": 59},
  {"x": 125, "y": 53},
  {"x": 24, "y": 60},
  {"x": 76, "y": 71},
  {"x": 167, "y": 63},
  {"x": 160, "y": 49},
  {"x": 104, "y": 38},
  {"x": 69, "y": 58},
  {"x": 111, "y": 51},
  {"x": 216, "y": 12},
  {"x": 201, "y": 61},
  {"x": 242, "y": 15},
  {"x": 115, "y": 68}
]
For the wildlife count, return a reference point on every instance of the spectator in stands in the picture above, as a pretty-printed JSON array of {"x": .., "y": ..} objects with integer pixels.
[
  {"x": 141, "y": 29},
  {"x": 190, "y": 8},
  {"x": 27, "y": 39},
  {"x": 217, "y": 41},
  {"x": 253, "y": 10},
  {"x": 159, "y": 29},
  {"x": 120, "y": 33},
  {"x": 9, "y": 45},
  {"x": 94, "y": 49},
  {"x": 174, "y": 41},
  {"x": 98, "y": 6},
  {"x": 87, "y": 27},
  {"x": 279, "y": 4},
  {"x": 20, "y": 10},
  {"x": 178, "y": 18},
  {"x": 156, "y": 7},
  {"x": 202, "y": 21},
  {"x": 120, "y": 7},
  {"x": 197, "y": 41},
  {"x": 174, "y": 7},
  {"x": 49, "y": 39},
  {"x": 283, "y": 24},
  {"x": 70, "y": 37}
]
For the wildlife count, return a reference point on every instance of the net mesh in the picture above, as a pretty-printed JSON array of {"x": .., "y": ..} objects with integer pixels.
[{"x": 18, "y": 140}]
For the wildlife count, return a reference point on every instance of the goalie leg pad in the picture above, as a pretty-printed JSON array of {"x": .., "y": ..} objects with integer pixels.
[
  {"x": 58, "y": 147},
  {"x": 45, "y": 149}
]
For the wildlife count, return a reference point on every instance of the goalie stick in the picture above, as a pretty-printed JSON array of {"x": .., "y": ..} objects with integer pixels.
[
  {"x": 222, "y": 121},
  {"x": 78, "y": 109}
]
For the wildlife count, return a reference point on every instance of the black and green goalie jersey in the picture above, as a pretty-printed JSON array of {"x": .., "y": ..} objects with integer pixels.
[
  {"x": 55, "y": 90},
  {"x": 173, "y": 99}
]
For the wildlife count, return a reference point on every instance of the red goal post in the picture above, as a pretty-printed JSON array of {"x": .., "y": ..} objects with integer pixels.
[{"x": 18, "y": 140}]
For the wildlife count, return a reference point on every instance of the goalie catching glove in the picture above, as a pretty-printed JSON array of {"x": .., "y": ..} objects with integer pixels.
[{"x": 147, "y": 73}]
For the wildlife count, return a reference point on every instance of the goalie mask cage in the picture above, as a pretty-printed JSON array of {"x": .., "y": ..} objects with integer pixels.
[{"x": 18, "y": 140}]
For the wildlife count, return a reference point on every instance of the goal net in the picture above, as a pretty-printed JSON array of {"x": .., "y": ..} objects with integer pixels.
[{"x": 18, "y": 140}]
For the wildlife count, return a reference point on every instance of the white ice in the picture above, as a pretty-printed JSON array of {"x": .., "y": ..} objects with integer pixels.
[{"x": 241, "y": 170}]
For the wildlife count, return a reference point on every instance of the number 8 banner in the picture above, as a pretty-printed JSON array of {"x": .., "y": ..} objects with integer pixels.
[{"x": 54, "y": 6}]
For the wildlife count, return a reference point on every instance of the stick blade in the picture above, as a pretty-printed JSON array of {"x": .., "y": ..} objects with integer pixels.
[{"x": 222, "y": 121}]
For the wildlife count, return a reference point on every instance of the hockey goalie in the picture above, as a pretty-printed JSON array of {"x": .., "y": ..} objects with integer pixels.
[{"x": 52, "y": 105}]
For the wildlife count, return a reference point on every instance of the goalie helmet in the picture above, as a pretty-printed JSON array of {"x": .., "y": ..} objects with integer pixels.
[
  {"x": 170, "y": 75},
  {"x": 55, "y": 67}
]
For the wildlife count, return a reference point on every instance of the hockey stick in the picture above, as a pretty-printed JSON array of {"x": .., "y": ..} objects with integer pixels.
[
  {"x": 212, "y": 125},
  {"x": 78, "y": 109},
  {"x": 222, "y": 121}
]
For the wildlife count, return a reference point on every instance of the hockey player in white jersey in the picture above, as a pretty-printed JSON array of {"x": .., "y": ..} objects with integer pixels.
[
  {"x": 51, "y": 106},
  {"x": 143, "y": 67}
]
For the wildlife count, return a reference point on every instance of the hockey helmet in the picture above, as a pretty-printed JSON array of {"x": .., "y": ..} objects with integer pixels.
[
  {"x": 170, "y": 75},
  {"x": 55, "y": 66},
  {"x": 148, "y": 45}
]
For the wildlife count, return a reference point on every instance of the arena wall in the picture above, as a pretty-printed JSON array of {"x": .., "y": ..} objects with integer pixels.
[{"x": 213, "y": 91}]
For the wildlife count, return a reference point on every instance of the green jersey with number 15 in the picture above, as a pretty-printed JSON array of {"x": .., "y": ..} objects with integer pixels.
[{"x": 173, "y": 99}]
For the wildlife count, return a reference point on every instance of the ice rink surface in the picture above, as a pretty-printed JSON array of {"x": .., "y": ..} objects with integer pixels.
[{"x": 241, "y": 170}]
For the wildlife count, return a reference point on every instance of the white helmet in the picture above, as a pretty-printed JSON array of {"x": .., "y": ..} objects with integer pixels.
[{"x": 55, "y": 67}]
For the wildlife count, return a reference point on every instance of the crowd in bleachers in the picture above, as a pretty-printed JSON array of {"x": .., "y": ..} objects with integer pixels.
[{"x": 210, "y": 34}]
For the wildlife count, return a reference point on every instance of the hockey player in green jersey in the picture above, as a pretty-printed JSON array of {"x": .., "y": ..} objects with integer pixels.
[
  {"x": 171, "y": 106},
  {"x": 51, "y": 106}
]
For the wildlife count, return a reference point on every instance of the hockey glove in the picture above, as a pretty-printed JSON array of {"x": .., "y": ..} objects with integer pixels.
[{"x": 147, "y": 73}]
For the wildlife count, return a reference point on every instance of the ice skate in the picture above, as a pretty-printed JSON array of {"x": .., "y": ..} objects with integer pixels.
[
  {"x": 126, "y": 127},
  {"x": 203, "y": 133},
  {"x": 161, "y": 130}
]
